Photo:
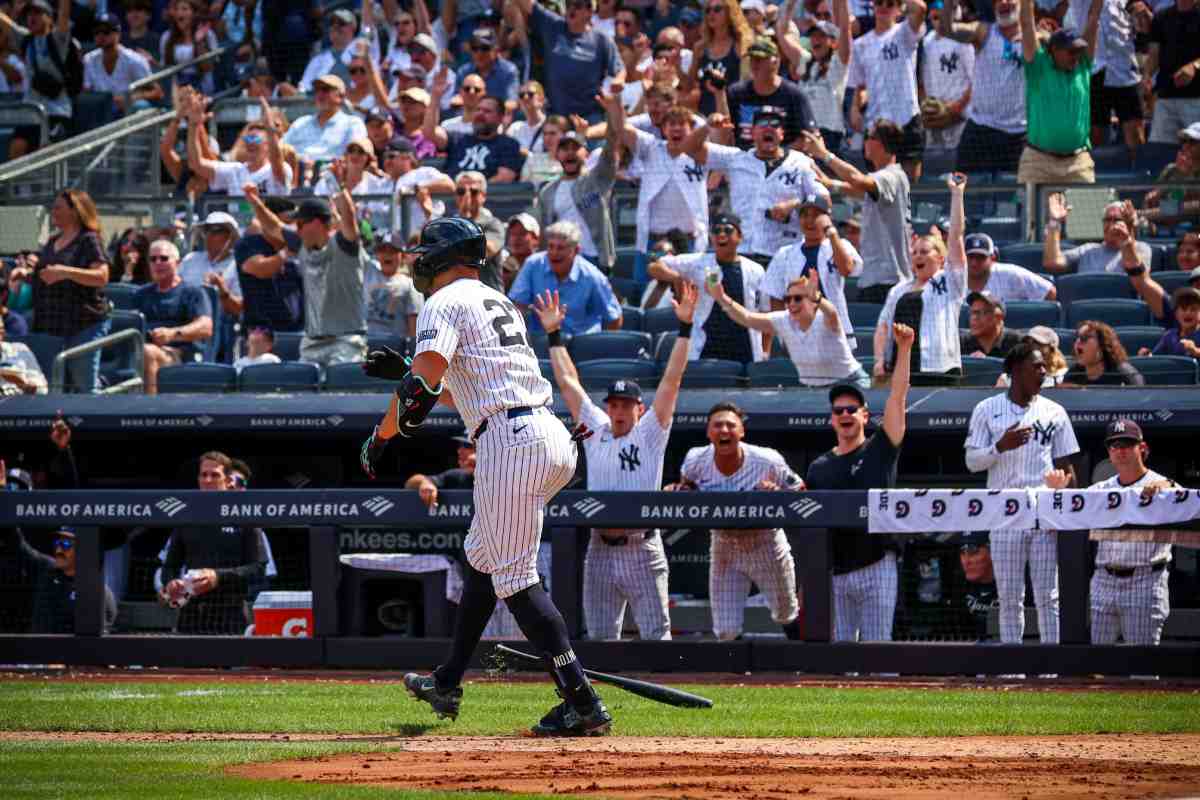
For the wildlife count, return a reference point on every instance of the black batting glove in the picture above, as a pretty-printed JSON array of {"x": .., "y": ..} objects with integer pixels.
[
  {"x": 372, "y": 452},
  {"x": 387, "y": 363}
]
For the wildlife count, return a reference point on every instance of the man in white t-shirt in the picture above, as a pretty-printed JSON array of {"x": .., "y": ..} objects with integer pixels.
[
  {"x": 221, "y": 233},
  {"x": 1006, "y": 281},
  {"x": 334, "y": 60},
  {"x": 415, "y": 184},
  {"x": 112, "y": 67},
  {"x": 883, "y": 70},
  {"x": 264, "y": 165}
]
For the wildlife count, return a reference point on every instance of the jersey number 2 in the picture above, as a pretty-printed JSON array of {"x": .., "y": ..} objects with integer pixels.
[{"x": 505, "y": 319}]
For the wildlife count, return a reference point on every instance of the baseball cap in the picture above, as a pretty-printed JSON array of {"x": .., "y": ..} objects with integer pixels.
[
  {"x": 526, "y": 221},
  {"x": 1191, "y": 133},
  {"x": 332, "y": 81},
  {"x": 394, "y": 240},
  {"x": 313, "y": 208},
  {"x": 280, "y": 205},
  {"x": 624, "y": 389},
  {"x": 1068, "y": 38},
  {"x": 1122, "y": 429},
  {"x": 839, "y": 389},
  {"x": 817, "y": 198},
  {"x": 223, "y": 219},
  {"x": 43, "y": 5},
  {"x": 425, "y": 42},
  {"x": 726, "y": 219},
  {"x": 106, "y": 21},
  {"x": 690, "y": 16},
  {"x": 417, "y": 95},
  {"x": 763, "y": 47},
  {"x": 364, "y": 143},
  {"x": 828, "y": 28},
  {"x": 993, "y": 300},
  {"x": 414, "y": 72},
  {"x": 969, "y": 540},
  {"x": 572, "y": 136},
  {"x": 1043, "y": 335},
  {"x": 377, "y": 116},
  {"x": 773, "y": 113},
  {"x": 980, "y": 244},
  {"x": 483, "y": 37},
  {"x": 754, "y": 5},
  {"x": 853, "y": 221},
  {"x": 344, "y": 15},
  {"x": 400, "y": 144},
  {"x": 19, "y": 480},
  {"x": 1185, "y": 296}
]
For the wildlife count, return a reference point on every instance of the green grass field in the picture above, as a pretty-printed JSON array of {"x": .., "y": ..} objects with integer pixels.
[{"x": 136, "y": 770}]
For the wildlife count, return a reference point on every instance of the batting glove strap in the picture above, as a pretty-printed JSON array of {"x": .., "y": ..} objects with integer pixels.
[
  {"x": 372, "y": 451},
  {"x": 414, "y": 400}
]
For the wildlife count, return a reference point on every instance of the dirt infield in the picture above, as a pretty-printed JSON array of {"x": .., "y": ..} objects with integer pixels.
[{"x": 767, "y": 769}]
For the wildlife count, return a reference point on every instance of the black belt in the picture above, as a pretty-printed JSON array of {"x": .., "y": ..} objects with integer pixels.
[
  {"x": 1127, "y": 572},
  {"x": 1071, "y": 154},
  {"x": 617, "y": 541},
  {"x": 512, "y": 413}
]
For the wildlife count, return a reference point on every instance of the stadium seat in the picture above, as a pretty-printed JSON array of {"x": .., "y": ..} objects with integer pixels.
[
  {"x": 1023, "y": 254},
  {"x": 289, "y": 376},
  {"x": 865, "y": 337},
  {"x": 626, "y": 290},
  {"x": 351, "y": 378},
  {"x": 541, "y": 343},
  {"x": 1024, "y": 314},
  {"x": 1114, "y": 312},
  {"x": 598, "y": 373},
  {"x": 611, "y": 344},
  {"x": 631, "y": 317},
  {"x": 117, "y": 363},
  {"x": 287, "y": 345},
  {"x": 981, "y": 371},
  {"x": 1092, "y": 286},
  {"x": 197, "y": 379},
  {"x": 663, "y": 346},
  {"x": 1135, "y": 337},
  {"x": 868, "y": 363},
  {"x": 864, "y": 315},
  {"x": 45, "y": 348},
  {"x": 850, "y": 287},
  {"x": 121, "y": 295},
  {"x": 1172, "y": 279},
  {"x": 547, "y": 368},
  {"x": 1066, "y": 340},
  {"x": 771, "y": 373},
  {"x": 626, "y": 261},
  {"x": 1166, "y": 370},
  {"x": 660, "y": 320},
  {"x": 713, "y": 373},
  {"x": 1162, "y": 257}
]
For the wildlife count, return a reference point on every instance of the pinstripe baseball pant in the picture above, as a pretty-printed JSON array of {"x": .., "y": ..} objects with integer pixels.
[
  {"x": 761, "y": 557},
  {"x": 520, "y": 464},
  {"x": 1011, "y": 549},
  {"x": 633, "y": 574},
  {"x": 1135, "y": 607},
  {"x": 864, "y": 602}
]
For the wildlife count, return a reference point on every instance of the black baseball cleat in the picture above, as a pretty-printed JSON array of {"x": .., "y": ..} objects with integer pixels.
[
  {"x": 565, "y": 720},
  {"x": 445, "y": 703}
]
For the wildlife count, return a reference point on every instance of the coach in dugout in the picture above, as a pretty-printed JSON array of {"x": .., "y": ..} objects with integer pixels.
[{"x": 220, "y": 561}]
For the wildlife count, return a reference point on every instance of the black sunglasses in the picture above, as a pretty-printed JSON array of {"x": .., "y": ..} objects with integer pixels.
[
  {"x": 160, "y": 258},
  {"x": 462, "y": 190},
  {"x": 355, "y": 151},
  {"x": 795, "y": 298},
  {"x": 717, "y": 229},
  {"x": 358, "y": 70},
  {"x": 472, "y": 90},
  {"x": 526, "y": 95},
  {"x": 839, "y": 410}
]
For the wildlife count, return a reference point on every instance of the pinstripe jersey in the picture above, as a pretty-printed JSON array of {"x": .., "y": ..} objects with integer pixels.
[
  {"x": 758, "y": 464},
  {"x": 1130, "y": 554},
  {"x": 482, "y": 336},
  {"x": 1011, "y": 282},
  {"x": 941, "y": 297},
  {"x": 1022, "y": 467},
  {"x": 753, "y": 191},
  {"x": 634, "y": 461}
]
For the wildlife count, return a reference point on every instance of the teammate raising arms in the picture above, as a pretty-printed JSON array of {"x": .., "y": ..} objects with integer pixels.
[
  {"x": 626, "y": 454},
  {"x": 473, "y": 337}
]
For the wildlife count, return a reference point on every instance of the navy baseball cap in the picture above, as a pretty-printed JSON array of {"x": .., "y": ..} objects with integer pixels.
[
  {"x": 993, "y": 300},
  {"x": 773, "y": 114},
  {"x": 1122, "y": 429},
  {"x": 969, "y": 540},
  {"x": 313, "y": 208},
  {"x": 980, "y": 244},
  {"x": 106, "y": 22},
  {"x": 726, "y": 219},
  {"x": 839, "y": 389},
  {"x": 628, "y": 390},
  {"x": 818, "y": 198},
  {"x": 1068, "y": 38}
]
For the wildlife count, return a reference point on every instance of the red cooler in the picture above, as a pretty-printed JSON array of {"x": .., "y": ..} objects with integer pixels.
[{"x": 283, "y": 614}]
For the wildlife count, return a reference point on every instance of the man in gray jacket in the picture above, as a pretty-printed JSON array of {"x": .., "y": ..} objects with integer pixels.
[{"x": 583, "y": 196}]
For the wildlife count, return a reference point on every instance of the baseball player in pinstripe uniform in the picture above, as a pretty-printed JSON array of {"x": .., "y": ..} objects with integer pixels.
[
  {"x": 623, "y": 567},
  {"x": 1019, "y": 437},
  {"x": 1129, "y": 586},
  {"x": 741, "y": 557},
  {"x": 474, "y": 338}
]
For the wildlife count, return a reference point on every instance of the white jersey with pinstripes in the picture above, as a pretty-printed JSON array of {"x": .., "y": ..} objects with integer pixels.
[
  {"x": 631, "y": 462},
  {"x": 1024, "y": 466},
  {"x": 1131, "y": 554},
  {"x": 759, "y": 464},
  {"x": 482, "y": 336}
]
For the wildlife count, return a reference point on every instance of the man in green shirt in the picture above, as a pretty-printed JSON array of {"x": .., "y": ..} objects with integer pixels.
[{"x": 1058, "y": 98}]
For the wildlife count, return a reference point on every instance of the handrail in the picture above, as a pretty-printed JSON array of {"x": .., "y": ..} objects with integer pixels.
[
  {"x": 19, "y": 106},
  {"x": 58, "y": 372},
  {"x": 177, "y": 68}
]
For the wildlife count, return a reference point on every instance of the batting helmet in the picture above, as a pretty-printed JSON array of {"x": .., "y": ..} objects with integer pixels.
[{"x": 448, "y": 242}]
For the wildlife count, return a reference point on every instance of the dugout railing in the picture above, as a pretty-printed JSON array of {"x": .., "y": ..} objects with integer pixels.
[{"x": 569, "y": 516}]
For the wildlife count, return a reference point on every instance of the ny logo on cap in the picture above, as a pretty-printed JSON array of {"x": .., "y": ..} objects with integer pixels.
[
  {"x": 1119, "y": 426},
  {"x": 619, "y": 386}
]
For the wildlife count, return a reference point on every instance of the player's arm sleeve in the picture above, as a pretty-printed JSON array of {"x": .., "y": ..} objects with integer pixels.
[
  {"x": 254, "y": 560},
  {"x": 438, "y": 328},
  {"x": 776, "y": 275},
  {"x": 592, "y": 415},
  {"x": 980, "y": 454},
  {"x": 720, "y": 157},
  {"x": 785, "y": 476},
  {"x": 1065, "y": 443}
]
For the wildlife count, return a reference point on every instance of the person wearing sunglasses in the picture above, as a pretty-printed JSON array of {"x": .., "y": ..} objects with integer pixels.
[
  {"x": 865, "y": 577},
  {"x": 414, "y": 182},
  {"x": 179, "y": 318},
  {"x": 335, "y": 59},
  {"x": 1118, "y": 251},
  {"x": 366, "y": 92},
  {"x": 260, "y": 161},
  {"x": 112, "y": 67},
  {"x": 484, "y": 148},
  {"x": 500, "y": 76},
  {"x": 53, "y": 579},
  {"x": 531, "y": 99},
  {"x": 471, "y": 90},
  {"x": 324, "y": 136}
]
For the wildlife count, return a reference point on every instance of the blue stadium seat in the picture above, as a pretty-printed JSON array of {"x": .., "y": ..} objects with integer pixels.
[
  {"x": 981, "y": 371},
  {"x": 541, "y": 343},
  {"x": 611, "y": 344},
  {"x": 1023, "y": 254},
  {"x": 289, "y": 376},
  {"x": 599, "y": 373},
  {"x": 351, "y": 378},
  {"x": 713, "y": 373},
  {"x": 1023, "y": 314},
  {"x": 547, "y": 368},
  {"x": 868, "y": 363},
  {"x": 627, "y": 290},
  {"x": 117, "y": 363},
  {"x": 287, "y": 345},
  {"x": 1092, "y": 286},
  {"x": 197, "y": 379},
  {"x": 627, "y": 258},
  {"x": 1162, "y": 257},
  {"x": 864, "y": 315},
  {"x": 631, "y": 317},
  {"x": 1066, "y": 340},
  {"x": 1114, "y": 312},
  {"x": 1135, "y": 337},
  {"x": 45, "y": 348},
  {"x": 121, "y": 294},
  {"x": 850, "y": 287},
  {"x": 771, "y": 373},
  {"x": 1172, "y": 279},
  {"x": 1166, "y": 370},
  {"x": 660, "y": 320},
  {"x": 866, "y": 341},
  {"x": 663, "y": 346}
]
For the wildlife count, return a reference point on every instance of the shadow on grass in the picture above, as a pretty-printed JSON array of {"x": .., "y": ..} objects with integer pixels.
[{"x": 411, "y": 728}]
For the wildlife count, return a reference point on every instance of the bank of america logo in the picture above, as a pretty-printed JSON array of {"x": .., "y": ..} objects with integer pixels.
[
  {"x": 378, "y": 505},
  {"x": 335, "y": 419},
  {"x": 170, "y": 506},
  {"x": 806, "y": 507},
  {"x": 1164, "y": 415},
  {"x": 589, "y": 507}
]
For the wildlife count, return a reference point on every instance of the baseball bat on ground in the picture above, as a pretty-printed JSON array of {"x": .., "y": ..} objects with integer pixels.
[{"x": 650, "y": 691}]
